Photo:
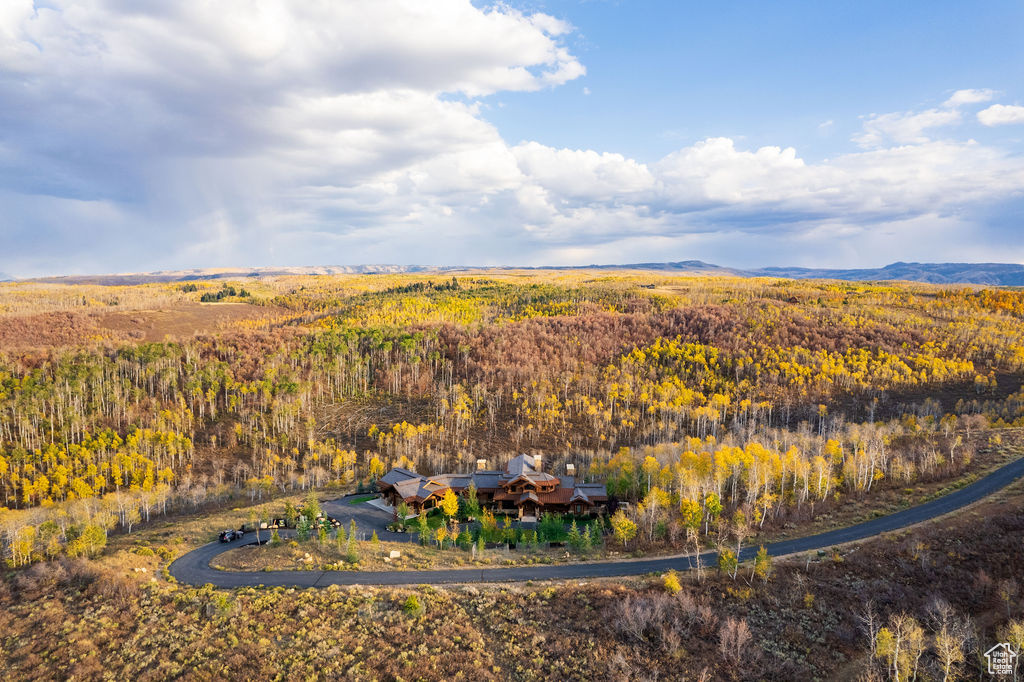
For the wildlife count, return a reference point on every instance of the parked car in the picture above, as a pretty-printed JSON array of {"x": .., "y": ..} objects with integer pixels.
[{"x": 231, "y": 535}]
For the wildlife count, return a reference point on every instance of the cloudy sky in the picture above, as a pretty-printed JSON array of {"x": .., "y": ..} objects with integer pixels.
[{"x": 203, "y": 133}]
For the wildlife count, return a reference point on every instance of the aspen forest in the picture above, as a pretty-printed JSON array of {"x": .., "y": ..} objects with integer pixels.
[
  {"x": 692, "y": 397},
  {"x": 138, "y": 420}
]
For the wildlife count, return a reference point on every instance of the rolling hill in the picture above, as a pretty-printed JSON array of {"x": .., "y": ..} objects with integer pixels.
[{"x": 990, "y": 274}]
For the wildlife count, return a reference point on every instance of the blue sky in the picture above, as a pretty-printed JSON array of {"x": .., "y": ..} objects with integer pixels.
[
  {"x": 663, "y": 74},
  {"x": 195, "y": 134}
]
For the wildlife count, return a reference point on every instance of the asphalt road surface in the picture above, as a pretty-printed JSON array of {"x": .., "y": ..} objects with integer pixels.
[{"x": 194, "y": 567}]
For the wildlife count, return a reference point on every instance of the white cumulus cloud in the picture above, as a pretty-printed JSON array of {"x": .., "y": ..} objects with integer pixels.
[
  {"x": 192, "y": 133},
  {"x": 963, "y": 97},
  {"x": 1001, "y": 114},
  {"x": 903, "y": 127}
]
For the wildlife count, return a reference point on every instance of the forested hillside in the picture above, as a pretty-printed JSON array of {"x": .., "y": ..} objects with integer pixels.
[{"x": 696, "y": 396}]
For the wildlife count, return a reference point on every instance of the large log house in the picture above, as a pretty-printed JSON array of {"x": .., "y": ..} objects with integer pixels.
[{"x": 522, "y": 489}]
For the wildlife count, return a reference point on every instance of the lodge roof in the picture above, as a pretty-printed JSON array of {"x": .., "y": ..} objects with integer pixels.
[
  {"x": 578, "y": 494},
  {"x": 397, "y": 475},
  {"x": 528, "y": 495},
  {"x": 556, "y": 496},
  {"x": 487, "y": 480},
  {"x": 411, "y": 486},
  {"x": 525, "y": 466}
]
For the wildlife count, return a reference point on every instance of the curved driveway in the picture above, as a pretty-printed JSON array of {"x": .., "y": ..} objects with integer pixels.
[{"x": 194, "y": 567}]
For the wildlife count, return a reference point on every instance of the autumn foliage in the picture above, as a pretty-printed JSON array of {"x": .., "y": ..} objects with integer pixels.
[{"x": 761, "y": 395}]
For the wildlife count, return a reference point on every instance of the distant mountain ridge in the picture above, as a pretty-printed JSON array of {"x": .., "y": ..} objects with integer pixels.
[
  {"x": 1001, "y": 274},
  {"x": 991, "y": 274},
  {"x": 198, "y": 274}
]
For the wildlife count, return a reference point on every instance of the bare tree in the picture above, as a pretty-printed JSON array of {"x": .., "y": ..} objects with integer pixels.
[
  {"x": 1007, "y": 591},
  {"x": 693, "y": 538},
  {"x": 870, "y": 622},
  {"x": 733, "y": 638}
]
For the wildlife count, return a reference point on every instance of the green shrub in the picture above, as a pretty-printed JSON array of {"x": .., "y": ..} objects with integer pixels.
[
  {"x": 412, "y": 607},
  {"x": 551, "y": 528},
  {"x": 464, "y": 540}
]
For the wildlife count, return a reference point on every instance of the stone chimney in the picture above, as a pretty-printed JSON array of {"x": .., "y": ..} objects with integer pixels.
[
  {"x": 570, "y": 469},
  {"x": 481, "y": 464},
  {"x": 538, "y": 462}
]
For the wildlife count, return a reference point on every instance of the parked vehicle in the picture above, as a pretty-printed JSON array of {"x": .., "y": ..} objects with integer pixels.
[{"x": 231, "y": 535}]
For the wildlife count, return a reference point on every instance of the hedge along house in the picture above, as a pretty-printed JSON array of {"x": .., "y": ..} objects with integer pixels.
[{"x": 522, "y": 489}]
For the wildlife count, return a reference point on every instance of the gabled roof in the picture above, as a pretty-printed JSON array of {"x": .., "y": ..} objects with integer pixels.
[
  {"x": 397, "y": 475},
  {"x": 578, "y": 494},
  {"x": 487, "y": 480},
  {"x": 520, "y": 464},
  {"x": 596, "y": 492},
  {"x": 457, "y": 481},
  {"x": 413, "y": 487},
  {"x": 524, "y": 467},
  {"x": 409, "y": 487},
  {"x": 532, "y": 477},
  {"x": 556, "y": 496},
  {"x": 419, "y": 488}
]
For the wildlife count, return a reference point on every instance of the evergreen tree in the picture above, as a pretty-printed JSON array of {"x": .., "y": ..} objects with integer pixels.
[
  {"x": 303, "y": 528},
  {"x": 340, "y": 541},
  {"x": 312, "y": 506},
  {"x": 423, "y": 528},
  {"x": 471, "y": 502},
  {"x": 575, "y": 539},
  {"x": 351, "y": 549}
]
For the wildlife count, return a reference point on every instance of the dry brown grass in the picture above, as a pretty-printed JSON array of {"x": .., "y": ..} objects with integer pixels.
[
  {"x": 293, "y": 555},
  {"x": 177, "y": 322},
  {"x": 187, "y": 319}
]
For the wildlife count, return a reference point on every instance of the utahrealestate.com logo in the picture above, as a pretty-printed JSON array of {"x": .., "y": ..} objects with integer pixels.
[{"x": 1000, "y": 659}]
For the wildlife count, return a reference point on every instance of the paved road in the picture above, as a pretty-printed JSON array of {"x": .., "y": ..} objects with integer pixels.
[
  {"x": 369, "y": 519},
  {"x": 194, "y": 567}
]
